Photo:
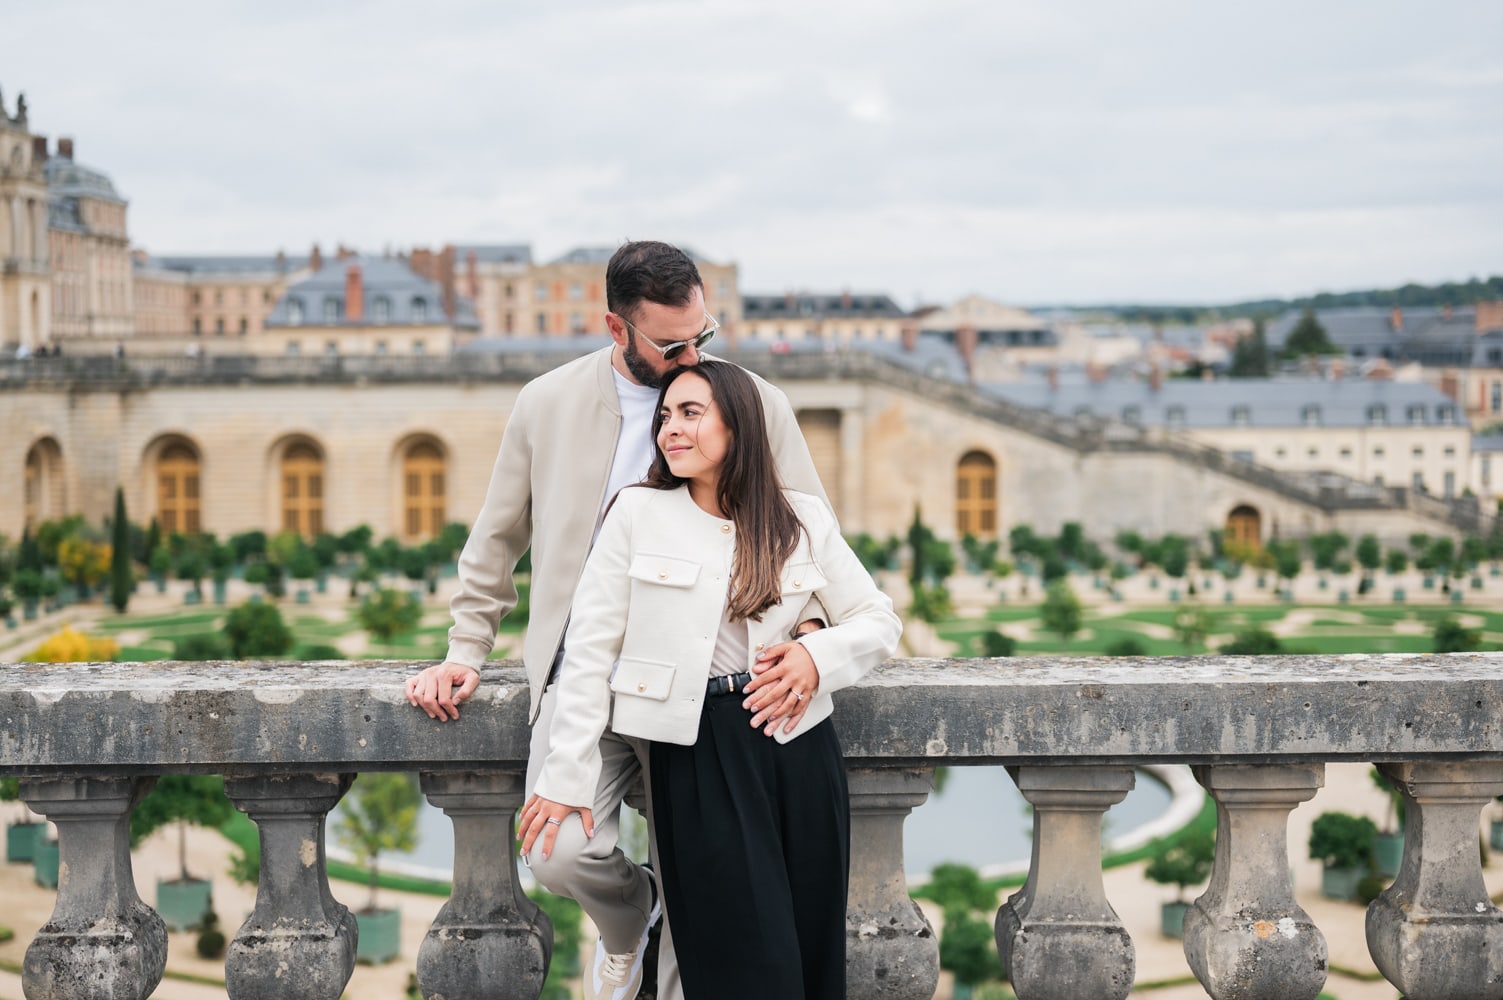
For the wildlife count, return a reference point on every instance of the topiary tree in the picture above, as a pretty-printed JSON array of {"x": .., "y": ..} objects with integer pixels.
[
  {"x": 1192, "y": 623},
  {"x": 184, "y": 798},
  {"x": 120, "y": 568},
  {"x": 1126, "y": 646},
  {"x": 379, "y": 814},
  {"x": 1450, "y": 636},
  {"x": 1341, "y": 840},
  {"x": 1252, "y": 642},
  {"x": 1061, "y": 612},
  {"x": 388, "y": 613},
  {"x": 257, "y": 629},
  {"x": 1183, "y": 863}
]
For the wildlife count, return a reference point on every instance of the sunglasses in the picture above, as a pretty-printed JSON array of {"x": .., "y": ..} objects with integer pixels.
[{"x": 673, "y": 350}]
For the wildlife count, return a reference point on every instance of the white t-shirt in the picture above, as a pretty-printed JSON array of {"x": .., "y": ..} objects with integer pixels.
[{"x": 635, "y": 447}]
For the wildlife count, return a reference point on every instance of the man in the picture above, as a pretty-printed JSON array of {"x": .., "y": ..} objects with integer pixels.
[{"x": 576, "y": 436}]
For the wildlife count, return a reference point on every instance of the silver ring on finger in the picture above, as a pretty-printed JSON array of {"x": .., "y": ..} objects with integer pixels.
[
  {"x": 797, "y": 696},
  {"x": 552, "y": 821}
]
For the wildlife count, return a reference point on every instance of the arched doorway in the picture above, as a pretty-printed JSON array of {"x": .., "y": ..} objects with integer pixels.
[
  {"x": 1244, "y": 527},
  {"x": 976, "y": 495},
  {"x": 43, "y": 492},
  {"x": 302, "y": 489},
  {"x": 178, "y": 490}
]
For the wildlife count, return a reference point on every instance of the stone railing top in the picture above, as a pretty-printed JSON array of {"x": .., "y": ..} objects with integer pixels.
[{"x": 284, "y": 717}]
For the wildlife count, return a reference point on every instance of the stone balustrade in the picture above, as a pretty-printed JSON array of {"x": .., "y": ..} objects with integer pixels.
[{"x": 88, "y": 740}]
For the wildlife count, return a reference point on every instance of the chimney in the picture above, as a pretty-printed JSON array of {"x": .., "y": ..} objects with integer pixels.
[
  {"x": 446, "y": 278},
  {"x": 1489, "y": 316},
  {"x": 1053, "y": 376},
  {"x": 65, "y": 147},
  {"x": 1096, "y": 372},
  {"x": 316, "y": 259},
  {"x": 422, "y": 262},
  {"x": 343, "y": 252},
  {"x": 38, "y": 150},
  {"x": 1207, "y": 374},
  {"x": 965, "y": 343},
  {"x": 354, "y": 294},
  {"x": 1338, "y": 369},
  {"x": 1396, "y": 319},
  {"x": 1446, "y": 312},
  {"x": 1155, "y": 379},
  {"x": 909, "y": 334},
  {"x": 845, "y": 300},
  {"x": 472, "y": 265},
  {"x": 790, "y": 300},
  {"x": 1381, "y": 371},
  {"x": 281, "y": 262}
]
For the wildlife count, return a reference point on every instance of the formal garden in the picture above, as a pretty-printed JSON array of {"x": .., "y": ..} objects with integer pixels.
[{"x": 72, "y": 591}]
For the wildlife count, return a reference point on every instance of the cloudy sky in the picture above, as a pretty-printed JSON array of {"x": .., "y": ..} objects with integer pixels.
[{"x": 1037, "y": 152}]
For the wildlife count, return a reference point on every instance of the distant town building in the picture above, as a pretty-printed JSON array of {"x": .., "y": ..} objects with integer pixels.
[
  {"x": 1434, "y": 337},
  {"x": 25, "y": 287},
  {"x": 830, "y": 317},
  {"x": 217, "y": 304},
  {"x": 89, "y": 252}
]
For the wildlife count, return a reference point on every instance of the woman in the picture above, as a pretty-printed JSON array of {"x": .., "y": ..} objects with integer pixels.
[{"x": 697, "y": 579}]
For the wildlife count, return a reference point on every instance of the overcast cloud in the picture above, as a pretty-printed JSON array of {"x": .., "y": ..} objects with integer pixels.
[{"x": 1036, "y": 152}]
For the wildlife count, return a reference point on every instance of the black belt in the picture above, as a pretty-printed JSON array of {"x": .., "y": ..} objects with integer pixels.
[{"x": 728, "y": 683}]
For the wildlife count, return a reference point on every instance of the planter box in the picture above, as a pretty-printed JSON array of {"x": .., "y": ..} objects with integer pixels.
[
  {"x": 44, "y": 862},
  {"x": 184, "y": 904},
  {"x": 1172, "y": 919},
  {"x": 21, "y": 840},
  {"x": 1388, "y": 853},
  {"x": 380, "y": 936},
  {"x": 1340, "y": 883}
]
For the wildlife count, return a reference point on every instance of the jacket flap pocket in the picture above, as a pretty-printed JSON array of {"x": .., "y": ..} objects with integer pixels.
[
  {"x": 802, "y": 578},
  {"x": 643, "y": 678},
  {"x": 666, "y": 571}
]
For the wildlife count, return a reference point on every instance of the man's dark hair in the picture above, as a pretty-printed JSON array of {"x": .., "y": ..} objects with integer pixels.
[{"x": 649, "y": 271}]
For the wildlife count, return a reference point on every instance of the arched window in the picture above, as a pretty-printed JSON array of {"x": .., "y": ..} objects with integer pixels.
[
  {"x": 976, "y": 495},
  {"x": 43, "y": 491},
  {"x": 178, "y": 489},
  {"x": 302, "y": 490},
  {"x": 1244, "y": 526},
  {"x": 424, "y": 507}
]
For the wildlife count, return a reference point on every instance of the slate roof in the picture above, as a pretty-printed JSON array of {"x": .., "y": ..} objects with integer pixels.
[
  {"x": 1243, "y": 402},
  {"x": 820, "y": 305},
  {"x": 494, "y": 253},
  {"x": 412, "y": 300},
  {"x": 228, "y": 265},
  {"x": 1425, "y": 335}
]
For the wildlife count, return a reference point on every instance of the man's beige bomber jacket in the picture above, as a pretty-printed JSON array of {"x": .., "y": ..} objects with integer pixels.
[{"x": 546, "y": 490}]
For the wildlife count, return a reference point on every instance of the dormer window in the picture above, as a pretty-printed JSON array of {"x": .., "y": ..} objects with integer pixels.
[
  {"x": 1415, "y": 414},
  {"x": 1309, "y": 415},
  {"x": 294, "y": 312},
  {"x": 1377, "y": 415},
  {"x": 1445, "y": 414},
  {"x": 381, "y": 310},
  {"x": 1175, "y": 416},
  {"x": 1131, "y": 414},
  {"x": 1241, "y": 416},
  {"x": 331, "y": 310},
  {"x": 419, "y": 309}
]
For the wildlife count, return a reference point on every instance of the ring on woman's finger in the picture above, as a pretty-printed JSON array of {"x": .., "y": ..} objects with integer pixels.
[
  {"x": 551, "y": 821},
  {"x": 797, "y": 696}
]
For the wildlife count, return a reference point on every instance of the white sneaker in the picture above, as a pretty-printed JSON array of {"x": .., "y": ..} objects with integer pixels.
[{"x": 619, "y": 977}]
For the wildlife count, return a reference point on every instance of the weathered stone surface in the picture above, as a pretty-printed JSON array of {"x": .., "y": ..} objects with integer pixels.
[
  {"x": 299, "y": 942},
  {"x": 1246, "y": 938},
  {"x": 101, "y": 942},
  {"x": 1058, "y": 937},
  {"x": 488, "y": 932},
  {"x": 186, "y": 717},
  {"x": 891, "y": 951},
  {"x": 1434, "y": 933}
]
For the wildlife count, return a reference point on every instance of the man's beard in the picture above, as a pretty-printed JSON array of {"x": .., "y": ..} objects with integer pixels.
[{"x": 639, "y": 368}]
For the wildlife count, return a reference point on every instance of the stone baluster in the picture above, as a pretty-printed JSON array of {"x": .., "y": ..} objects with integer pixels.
[
  {"x": 1058, "y": 937},
  {"x": 1434, "y": 933},
  {"x": 299, "y": 942},
  {"x": 891, "y": 951},
  {"x": 1246, "y": 938},
  {"x": 102, "y": 941},
  {"x": 488, "y": 932}
]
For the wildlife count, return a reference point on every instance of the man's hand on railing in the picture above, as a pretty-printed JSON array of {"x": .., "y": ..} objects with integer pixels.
[{"x": 439, "y": 689}]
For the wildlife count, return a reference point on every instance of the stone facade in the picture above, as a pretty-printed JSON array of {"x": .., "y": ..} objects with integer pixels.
[
  {"x": 89, "y": 253},
  {"x": 884, "y": 443},
  {"x": 25, "y": 290}
]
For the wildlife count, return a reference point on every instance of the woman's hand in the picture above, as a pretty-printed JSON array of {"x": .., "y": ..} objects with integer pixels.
[
  {"x": 544, "y": 816},
  {"x": 785, "y": 682},
  {"x": 439, "y": 689}
]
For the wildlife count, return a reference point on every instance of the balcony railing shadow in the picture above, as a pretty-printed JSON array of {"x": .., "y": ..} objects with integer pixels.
[{"x": 88, "y": 741}]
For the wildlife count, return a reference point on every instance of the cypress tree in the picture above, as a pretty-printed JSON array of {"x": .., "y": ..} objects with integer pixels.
[{"x": 120, "y": 573}]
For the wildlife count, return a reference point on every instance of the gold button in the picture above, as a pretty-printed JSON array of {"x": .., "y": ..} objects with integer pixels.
[
  {"x": 662, "y": 574},
  {"x": 642, "y": 686},
  {"x": 725, "y": 529}
]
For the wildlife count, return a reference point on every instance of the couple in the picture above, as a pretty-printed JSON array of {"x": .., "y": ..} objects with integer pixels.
[{"x": 677, "y": 632}]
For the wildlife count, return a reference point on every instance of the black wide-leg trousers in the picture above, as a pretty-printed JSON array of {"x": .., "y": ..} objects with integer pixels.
[{"x": 754, "y": 840}]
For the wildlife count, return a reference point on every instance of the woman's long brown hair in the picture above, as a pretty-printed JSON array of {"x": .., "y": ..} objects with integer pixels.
[{"x": 750, "y": 493}]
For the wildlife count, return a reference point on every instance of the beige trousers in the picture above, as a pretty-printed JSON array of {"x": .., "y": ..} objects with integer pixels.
[{"x": 612, "y": 889}]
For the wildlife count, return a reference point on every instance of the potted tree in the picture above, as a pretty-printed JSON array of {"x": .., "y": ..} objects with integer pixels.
[
  {"x": 184, "y": 901},
  {"x": 1388, "y": 845},
  {"x": 1343, "y": 843},
  {"x": 379, "y": 814},
  {"x": 20, "y": 836},
  {"x": 1182, "y": 864}
]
